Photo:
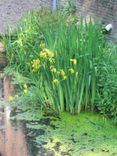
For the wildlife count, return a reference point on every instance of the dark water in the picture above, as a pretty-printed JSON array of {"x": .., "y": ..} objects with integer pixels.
[{"x": 12, "y": 136}]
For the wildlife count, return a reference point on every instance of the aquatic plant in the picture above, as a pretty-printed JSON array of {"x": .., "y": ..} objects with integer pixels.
[
  {"x": 86, "y": 134},
  {"x": 63, "y": 59}
]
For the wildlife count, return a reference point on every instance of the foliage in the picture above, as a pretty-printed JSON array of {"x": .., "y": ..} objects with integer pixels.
[
  {"x": 107, "y": 83},
  {"x": 17, "y": 78},
  {"x": 28, "y": 99},
  {"x": 70, "y": 8},
  {"x": 67, "y": 61}
]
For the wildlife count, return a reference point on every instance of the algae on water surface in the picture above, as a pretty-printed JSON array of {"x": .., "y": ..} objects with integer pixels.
[{"x": 85, "y": 134}]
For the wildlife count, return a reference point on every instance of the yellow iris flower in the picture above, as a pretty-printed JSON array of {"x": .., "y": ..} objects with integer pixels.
[
  {"x": 42, "y": 45},
  {"x": 71, "y": 70},
  {"x": 62, "y": 73},
  {"x": 55, "y": 81},
  {"x": 53, "y": 69},
  {"x": 25, "y": 86},
  {"x": 46, "y": 53},
  {"x": 36, "y": 65},
  {"x": 11, "y": 98},
  {"x": 51, "y": 60},
  {"x": 64, "y": 77},
  {"x": 25, "y": 91},
  {"x": 74, "y": 61}
]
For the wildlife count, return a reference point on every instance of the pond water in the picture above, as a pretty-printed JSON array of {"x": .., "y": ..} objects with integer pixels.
[
  {"x": 86, "y": 134},
  {"x": 81, "y": 135},
  {"x": 12, "y": 138}
]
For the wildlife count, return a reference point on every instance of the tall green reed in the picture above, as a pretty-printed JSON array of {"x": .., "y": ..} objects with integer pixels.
[{"x": 77, "y": 48}]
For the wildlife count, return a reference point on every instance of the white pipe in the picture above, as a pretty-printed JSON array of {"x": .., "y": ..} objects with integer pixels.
[
  {"x": 54, "y": 5},
  {"x": 109, "y": 27}
]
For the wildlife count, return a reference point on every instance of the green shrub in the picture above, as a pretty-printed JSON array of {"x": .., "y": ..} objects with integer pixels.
[{"x": 107, "y": 83}]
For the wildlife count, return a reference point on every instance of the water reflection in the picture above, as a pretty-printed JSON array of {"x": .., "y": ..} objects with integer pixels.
[{"x": 12, "y": 138}]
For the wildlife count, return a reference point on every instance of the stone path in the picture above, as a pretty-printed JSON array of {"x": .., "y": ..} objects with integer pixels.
[{"x": 12, "y": 10}]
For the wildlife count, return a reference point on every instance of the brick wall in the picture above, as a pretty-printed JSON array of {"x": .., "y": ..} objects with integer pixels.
[{"x": 102, "y": 10}]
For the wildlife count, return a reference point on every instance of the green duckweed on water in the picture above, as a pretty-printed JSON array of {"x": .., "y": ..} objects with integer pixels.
[{"x": 86, "y": 134}]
